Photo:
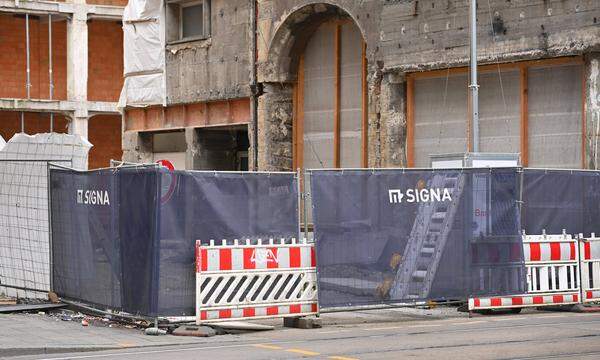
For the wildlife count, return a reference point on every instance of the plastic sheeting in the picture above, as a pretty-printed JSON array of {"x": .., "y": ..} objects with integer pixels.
[
  {"x": 24, "y": 232},
  {"x": 402, "y": 236},
  {"x": 144, "y": 54},
  {"x": 137, "y": 253}
]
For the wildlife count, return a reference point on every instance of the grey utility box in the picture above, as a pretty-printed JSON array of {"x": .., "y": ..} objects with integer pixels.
[{"x": 474, "y": 160}]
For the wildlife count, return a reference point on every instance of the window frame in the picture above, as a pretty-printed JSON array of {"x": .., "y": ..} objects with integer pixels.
[
  {"x": 178, "y": 16},
  {"x": 523, "y": 67}
]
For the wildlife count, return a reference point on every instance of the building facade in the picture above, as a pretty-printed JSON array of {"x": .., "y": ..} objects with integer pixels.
[
  {"x": 340, "y": 83},
  {"x": 61, "y": 67}
]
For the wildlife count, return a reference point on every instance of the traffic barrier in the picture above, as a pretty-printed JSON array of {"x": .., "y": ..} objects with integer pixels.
[
  {"x": 590, "y": 268},
  {"x": 552, "y": 263},
  {"x": 260, "y": 279}
]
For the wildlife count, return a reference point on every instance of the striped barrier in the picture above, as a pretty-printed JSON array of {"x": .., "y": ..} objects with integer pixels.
[
  {"x": 246, "y": 280},
  {"x": 552, "y": 265},
  {"x": 590, "y": 268}
]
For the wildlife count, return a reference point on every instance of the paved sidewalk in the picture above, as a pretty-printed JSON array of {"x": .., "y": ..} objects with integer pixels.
[{"x": 32, "y": 334}]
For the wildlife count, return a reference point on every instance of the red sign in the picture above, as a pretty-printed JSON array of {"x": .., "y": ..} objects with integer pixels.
[{"x": 166, "y": 163}]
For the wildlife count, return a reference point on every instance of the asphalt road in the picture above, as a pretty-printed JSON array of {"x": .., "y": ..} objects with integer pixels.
[{"x": 540, "y": 335}]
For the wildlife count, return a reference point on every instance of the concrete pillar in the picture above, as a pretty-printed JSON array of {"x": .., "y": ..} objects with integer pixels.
[
  {"x": 592, "y": 109},
  {"x": 192, "y": 153},
  {"x": 77, "y": 53},
  {"x": 137, "y": 147},
  {"x": 79, "y": 125},
  {"x": 392, "y": 102},
  {"x": 275, "y": 114}
]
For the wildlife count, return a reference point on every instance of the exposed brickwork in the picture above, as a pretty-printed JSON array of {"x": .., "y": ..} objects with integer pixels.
[
  {"x": 105, "y": 60},
  {"x": 104, "y": 134},
  {"x": 34, "y": 123},
  {"x": 13, "y": 60}
]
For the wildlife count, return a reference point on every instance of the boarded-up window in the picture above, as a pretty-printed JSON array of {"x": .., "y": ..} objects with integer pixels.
[
  {"x": 318, "y": 98},
  {"x": 555, "y": 125},
  {"x": 350, "y": 108},
  {"x": 321, "y": 78},
  {"x": 499, "y": 112},
  {"x": 440, "y": 118}
]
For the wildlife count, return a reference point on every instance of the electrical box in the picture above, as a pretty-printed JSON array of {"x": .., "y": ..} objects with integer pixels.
[{"x": 474, "y": 160}]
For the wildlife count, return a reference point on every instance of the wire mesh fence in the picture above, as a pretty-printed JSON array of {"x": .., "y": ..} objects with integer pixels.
[{"x": 24, "y": 229}]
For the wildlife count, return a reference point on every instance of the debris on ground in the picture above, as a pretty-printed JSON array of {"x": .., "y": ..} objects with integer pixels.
[
  {"x": 194, "y": 330},
  {"x": 155, "y": 331}
]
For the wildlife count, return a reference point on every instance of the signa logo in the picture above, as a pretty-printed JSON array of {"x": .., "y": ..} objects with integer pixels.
[
  {"x": 415, "y": 195},
  {"x": 93, "y": 197}
]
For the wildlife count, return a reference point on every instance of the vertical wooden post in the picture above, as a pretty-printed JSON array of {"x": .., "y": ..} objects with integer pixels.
[
  {"x": 410, "y": 121},
  {"x": 337, "y": 90},
  {"x": 365, "y": 109},
  {"x": 524, "y": 87}
]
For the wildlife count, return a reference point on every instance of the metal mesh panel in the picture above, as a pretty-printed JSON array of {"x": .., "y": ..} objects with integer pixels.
[
  {"x": 440, "y": 117},
  {"x": 555, "y": 122},
  {"x": 24, "y": 233},
  {"x": 396, "y": 236}
]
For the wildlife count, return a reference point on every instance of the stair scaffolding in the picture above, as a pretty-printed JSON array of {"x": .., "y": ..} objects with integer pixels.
[{"x": 427, "y": 240}]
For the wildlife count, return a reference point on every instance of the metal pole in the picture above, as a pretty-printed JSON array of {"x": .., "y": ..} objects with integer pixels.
[
  {"x": 473, "y": 86},
  {"x": 298, "y": 183},
  {"x": 50, "y": 75},
  {"x": 28, "y": 85},
  {"x": 22, "y": 122}
]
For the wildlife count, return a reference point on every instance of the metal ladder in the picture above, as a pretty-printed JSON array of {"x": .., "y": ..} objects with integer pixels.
[{"x": 427, "y": 240}]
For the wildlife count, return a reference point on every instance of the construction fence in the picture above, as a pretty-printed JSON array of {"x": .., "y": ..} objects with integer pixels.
[{"x": 125, "y": 238}]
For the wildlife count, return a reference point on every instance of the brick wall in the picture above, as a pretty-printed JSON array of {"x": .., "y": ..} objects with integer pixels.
[
  {"x": 13, "y": 57},
  {"x": 34, "y": 123},
  {"x": 104, "y": 132},
  {"x": 105, "y": 60}
]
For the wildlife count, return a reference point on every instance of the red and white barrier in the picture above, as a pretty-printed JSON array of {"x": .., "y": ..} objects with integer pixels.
[
  {"x": 242, "y": 280},
  {"x": 552, "y": 264},
  {"x": 590, "y": 269}
]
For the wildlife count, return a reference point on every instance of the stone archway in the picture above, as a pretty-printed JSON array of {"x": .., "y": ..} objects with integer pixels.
[{"x": 278, "y": 75}]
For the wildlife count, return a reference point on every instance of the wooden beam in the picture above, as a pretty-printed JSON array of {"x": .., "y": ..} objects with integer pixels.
[
  {"x": 566, "y": 60},
  {"x": 337, "y": 93},
  {"x": 524, "y": 87},
  {"x": 365, "y": 109},
  {"x": 410, "y": 122}
]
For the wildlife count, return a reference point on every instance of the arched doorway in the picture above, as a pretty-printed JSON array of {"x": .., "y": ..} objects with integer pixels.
[{"x": 330, "y": 98}]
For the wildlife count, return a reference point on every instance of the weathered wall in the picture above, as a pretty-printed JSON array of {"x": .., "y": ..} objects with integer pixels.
[
  {"x": 405, "y": 36},
  {"x": 216, "y": 68}
]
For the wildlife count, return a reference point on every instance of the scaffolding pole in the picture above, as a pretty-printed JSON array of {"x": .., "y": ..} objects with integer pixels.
[{"x": 474, "y": 87}]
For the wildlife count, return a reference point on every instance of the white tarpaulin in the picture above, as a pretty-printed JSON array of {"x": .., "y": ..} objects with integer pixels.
[
  {"x": 144, "y": 54},
  {"x": 24, "y": 232}
]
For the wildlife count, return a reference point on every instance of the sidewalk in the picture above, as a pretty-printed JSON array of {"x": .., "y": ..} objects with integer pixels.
[{"x": 31, "y": 334}]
